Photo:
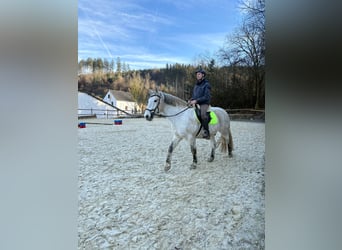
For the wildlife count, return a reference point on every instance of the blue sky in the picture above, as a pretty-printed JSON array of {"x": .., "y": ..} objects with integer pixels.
[{"x": 150, "y": 34}]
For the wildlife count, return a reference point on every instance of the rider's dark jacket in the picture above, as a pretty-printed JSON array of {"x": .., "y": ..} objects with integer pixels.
[{"x": 201, "y": 92}]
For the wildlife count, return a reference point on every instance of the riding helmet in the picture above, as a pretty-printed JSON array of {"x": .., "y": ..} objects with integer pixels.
[{"x": 201, "y": 71}]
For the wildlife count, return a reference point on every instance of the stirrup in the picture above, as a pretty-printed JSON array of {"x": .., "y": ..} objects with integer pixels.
[{"x": 206, "y": 134}]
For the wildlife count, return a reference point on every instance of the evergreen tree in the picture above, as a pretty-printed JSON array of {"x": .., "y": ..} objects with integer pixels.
[{"x": 118, "y": 66}]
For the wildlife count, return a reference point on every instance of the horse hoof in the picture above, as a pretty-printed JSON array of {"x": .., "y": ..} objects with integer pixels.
[
  {"x": 167, "y": 167},
  {"x": 230, "y": 155},
  {"x": 210, "y": 159},
  {"x": 193, "y": 166}
]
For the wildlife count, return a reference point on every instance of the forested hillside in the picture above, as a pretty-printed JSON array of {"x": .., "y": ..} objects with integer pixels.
[{"x": 232, "y": 86}]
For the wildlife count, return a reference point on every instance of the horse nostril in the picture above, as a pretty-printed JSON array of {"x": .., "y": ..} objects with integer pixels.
[{"x": 148, "y": 115}]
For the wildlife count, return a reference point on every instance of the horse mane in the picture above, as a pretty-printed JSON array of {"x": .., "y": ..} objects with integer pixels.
[{"x": 173, "y": 100}]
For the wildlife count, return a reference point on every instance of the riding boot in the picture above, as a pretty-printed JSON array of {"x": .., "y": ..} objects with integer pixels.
[{"x": 205, "y": 125}]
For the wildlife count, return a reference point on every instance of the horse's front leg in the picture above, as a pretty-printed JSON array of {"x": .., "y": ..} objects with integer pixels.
[
  {"x": 213, "y": 147},
  {"x": 172, "y": 147},
  {"x": 194, "y": 152}
]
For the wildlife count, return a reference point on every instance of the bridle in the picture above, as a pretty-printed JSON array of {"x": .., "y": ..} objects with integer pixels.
[{"x": 155, "y": 111}]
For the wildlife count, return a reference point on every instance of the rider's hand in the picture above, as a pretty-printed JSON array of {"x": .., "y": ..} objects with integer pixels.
[{"x": 193, "y": 102}]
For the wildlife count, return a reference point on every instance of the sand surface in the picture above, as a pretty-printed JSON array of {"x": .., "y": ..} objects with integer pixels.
[{"x": 128, "y": 201}]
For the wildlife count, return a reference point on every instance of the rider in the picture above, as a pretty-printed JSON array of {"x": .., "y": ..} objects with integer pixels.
[{"x": 201, "y": 96}]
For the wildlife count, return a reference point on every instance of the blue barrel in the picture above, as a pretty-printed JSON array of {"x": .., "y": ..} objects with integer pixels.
[
  {"x": 118, "y": 122},
  {"x": 82, "y": 125}
]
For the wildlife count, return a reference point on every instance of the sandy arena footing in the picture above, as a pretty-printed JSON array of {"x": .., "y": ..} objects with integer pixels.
[{"x": 128, "y": 201}]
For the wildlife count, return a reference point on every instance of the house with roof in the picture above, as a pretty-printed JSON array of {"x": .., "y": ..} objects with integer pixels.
[
  {"x": 91, "y": 106},
  {"x": 122, "y": 100}
]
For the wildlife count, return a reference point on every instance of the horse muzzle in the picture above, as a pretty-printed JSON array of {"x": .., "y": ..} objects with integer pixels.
[{"x": 148, "y": 115}]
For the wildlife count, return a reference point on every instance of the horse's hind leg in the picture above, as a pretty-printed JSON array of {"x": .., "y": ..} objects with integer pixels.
[
  {"x": 213, "y": 147},
  {"x": 230, "y": 144},
  {"x": 172, "y": 146}
]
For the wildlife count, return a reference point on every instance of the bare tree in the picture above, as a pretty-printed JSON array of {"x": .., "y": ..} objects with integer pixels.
[
  {"x": 253, "y": 8},
  {"x": 246, "y": 47}
]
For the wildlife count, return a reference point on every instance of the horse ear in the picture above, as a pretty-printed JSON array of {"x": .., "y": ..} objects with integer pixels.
[{"x": 157, "y": 90}]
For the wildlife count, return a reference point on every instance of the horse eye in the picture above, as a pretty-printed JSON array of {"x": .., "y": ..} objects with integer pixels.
[{"x": 155, "y": 100}]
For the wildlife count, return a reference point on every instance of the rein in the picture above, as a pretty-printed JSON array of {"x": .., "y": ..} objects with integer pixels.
[
  {"x": 174, "y": 114},
  {"x": 153, "y": 111}
]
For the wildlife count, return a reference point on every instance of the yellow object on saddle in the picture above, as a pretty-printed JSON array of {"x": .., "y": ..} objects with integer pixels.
[{"x": 212, "y": 120}]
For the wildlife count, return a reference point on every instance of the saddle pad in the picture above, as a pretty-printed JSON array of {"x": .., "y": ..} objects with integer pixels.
[{"x": 212, "y": 120}]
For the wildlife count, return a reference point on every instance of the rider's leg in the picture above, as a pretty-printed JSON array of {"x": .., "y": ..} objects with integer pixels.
[{"x": 205, "y": 120}]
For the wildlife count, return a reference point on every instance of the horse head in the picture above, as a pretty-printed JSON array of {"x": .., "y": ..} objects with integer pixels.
[{"x": 153, "y": 104}]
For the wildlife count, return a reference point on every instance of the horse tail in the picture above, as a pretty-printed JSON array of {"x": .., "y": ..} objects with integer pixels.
[
  {"x": 230, "y": 143},
  {"x": 223, "y": 142},
  {"x": 224, "y": 146}
]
